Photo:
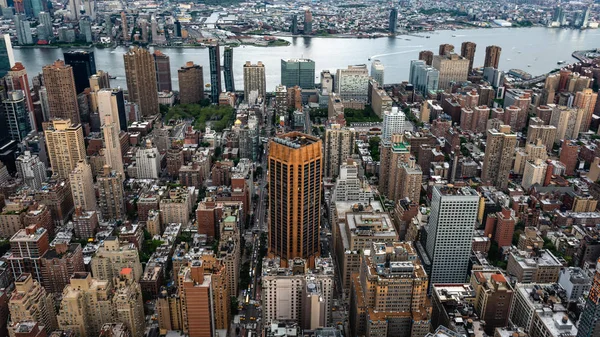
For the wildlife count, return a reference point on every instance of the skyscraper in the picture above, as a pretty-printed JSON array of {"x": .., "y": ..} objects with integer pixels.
[
  {"x": 62, "y": 92},
  {"x": 23, "y": 28},
  {"x": 450, "y": 233},
  {"x": 294, "y": 25},
  {"x": 453, "y": 69},
  {"x": 7, "y": 57},
  {"x": 31, "y": 169},
  {"x": 425, "y": 78},
  {"x": 589, "y": 322},
  {"x": 254, "y": 80},
  {"x": 393, "y": 22},
  {"x": 85, "y": 28},
  {"x": 377, "y": 70},
  {"x": 300, "y": 72},
  {"x": 393, "y": 122},
  {"x": 124, "y": 27},
  {"x": 17, "y": 115},
  {"x": 228, "y": 69},
  {"x": 214, "y": 55},
  {"x": 467, "y": 50},
  {"x": 191, "y": 83},
  {"x": 17, "y": 79},
  {"x": 308, "y": 22},
  {"x": 82, "y": 186},
  {"x": 83, "y": 64},
  {"x": 338, "y": 147},
  {"x": 30, "y": 302},
  {"x": 427, "y": 56},
  {"x": 295, "y": 184},
  {"x": 352, "y": 84},
  {"x": 140, "y": 74},
  {"x": 492, "y": 57},
  {"x": 163, "y": 70},
  {"x": 499, "y": 152},
  {"x": 446, "y": 48},
  {"x": 65, "y": 146}
]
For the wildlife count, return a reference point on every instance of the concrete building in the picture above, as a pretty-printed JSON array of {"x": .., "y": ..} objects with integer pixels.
[
  {"x": 569, "y": 152},
  {"x": 533, "y": 173},
  {"x": 586, "y": 100},
  {"x": 467, "y": 50},
  {"x": 66, "y": 146},
  {"x": 536, "y": 266},
  {"x": 380, "y": 101},
  {"x": 493, "y": 299},
  {"x": 545, "y": 133},
  {"x": 526, "y": 303},
  {"x": 427, "y": 56},
  {"x": 452, "y": 68},
  {"x": 390, "y": 292},
  {"x": 499, "y": 151},
  {"x": 30, "y": 302},
  {"x": 112, "y": 256},
  {"x": 377, "y": 72},
  {"x": 109, "y": 109},
  {"x": 191, "y": 83},
  {"x": 335, "y": 106},
  {"x": 140, "y": 73},
  {"x": 298, "y": 72},
  {"x": 450, "y": 233},
  {"x": 500, "y": 226},
  {"x": 254, "y": 80},
  {"x": 576, "y": 282},
  {"x": 31, "y": 169},
  {"x": 492, "y": 57},
  {"x": 448, "y": 302},
  {"x": 424, "y": 77},
  {"x": 110, "y": 194},
  {"x": 147, "y": 161},
  {"x": 338, "y": 147},
  {"x": 532, "y": 151},
  {"x": 445, "y": 48},
  {"x": 589, "y": 325},
  {"x": 62, "y": 95},
  {"x": 27, "y": 247},
  {"x": 58, "y": 265},
  {"x": 162, "y": 64},
  {"x": 176, "y": 206},
  {"x": 82, "y": 187},
  {"x": 352, "y": 84},
  {"x": 16, "y": 113},
  {"x": 394, "y": 152},
  {"x": 394, "y": 122},
  {"x": 300, "y": 153}
]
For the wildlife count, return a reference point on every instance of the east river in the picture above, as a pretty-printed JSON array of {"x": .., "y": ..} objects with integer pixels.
[{"x": 534, "y": 50}]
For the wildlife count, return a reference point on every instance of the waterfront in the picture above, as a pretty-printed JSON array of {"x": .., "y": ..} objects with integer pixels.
[{"x": 535, "y": 50}]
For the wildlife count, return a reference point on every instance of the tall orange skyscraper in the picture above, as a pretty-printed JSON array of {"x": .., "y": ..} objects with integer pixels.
[{"x": 295, "y": 184}]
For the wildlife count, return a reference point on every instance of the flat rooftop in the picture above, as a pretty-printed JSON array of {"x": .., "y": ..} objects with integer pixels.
[{"x": 295, "y": 140}]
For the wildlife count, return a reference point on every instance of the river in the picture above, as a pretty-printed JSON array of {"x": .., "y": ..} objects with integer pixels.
[{"x": 535, "y": 50}]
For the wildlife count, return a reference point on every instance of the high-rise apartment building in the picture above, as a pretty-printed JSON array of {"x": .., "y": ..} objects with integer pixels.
[
  {"x": 27, "y": 247},
  {"x": 424, "y": 77},
  {"x": 30, "y": 302},
  {"x": 82, "y": 186},
  {"x": 427, "y": 56},
  {"x": 16, "y": 114},
  {"x": 534, "y": 172},
  {"x": 31, "y": 169},
  {"x": 352, "y": 84},
  {"x": 112, "y": 256},
  {"x": 586, "y": 100},
  {"x": 214, "y": 55},
  {"x": 83, "y": 64},
  {"x": 308, "y": 22},
  {"x": 109, "y": 110},
  {"x": 467, "y": 50},
  {"x": 338, "y": 147},
  {"x": 162, "y": 64},
  {"x": 493, "y": 298},
  {"x": 254, "y": 80},
  {"x": 66, "y": 146},
  {"x": 537, "y": 130},
  {"x": 62, "y": 92},
  {"x": 393, "y": 21},
  {"x": 453, "y": 68},
  {"x": 295, "y": 184},
  {"x": 58, "y": 265},
  {"x": 394, "y": 122},
  {"x": 16, "y": 79},
  {"x": 191, "y": 83},
  {"x": 128, "y": 303},
  {"x": 449, "y": 236},
  {"x": 7, "y": 57},
  {"x": 394, "y": 152},
  {"x": 390, "y": 292},
  {"x": 140, "y": 73},
  {"x": 492, "y": 57},
  {"x": 298, "y": 72},
  {"x": 228, "y": 69},
  {"x": 569, "y": 152},
  {"x": 501, "y": 227},
  {"x": 377, "y": 72},
  {"x": 445, "y": 48},
  {"x": 589, "y": 322},
  {"x": 110, "y": 194},
  {"x": 147, "y": 161},
  {"x": 499, "y": 152}
]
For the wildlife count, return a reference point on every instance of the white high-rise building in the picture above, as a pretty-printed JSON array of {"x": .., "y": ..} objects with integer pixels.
[
  {"x": 449, "y": 236},
  {"x": 31, "y": 169},
  {"x": 109, "y": 117},
  {"x": 393, "y": 122},
  {"x": 352, "y": 84},
  {"x": 377, "y": 70},
  {"x": 147, "y": 162}
]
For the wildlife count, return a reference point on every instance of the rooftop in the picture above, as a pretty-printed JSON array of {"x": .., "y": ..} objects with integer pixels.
[{"x": 295, "y": 140}]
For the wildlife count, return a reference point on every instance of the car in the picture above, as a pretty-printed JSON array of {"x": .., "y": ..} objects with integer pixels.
[{"x": 252, "y": 318}]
